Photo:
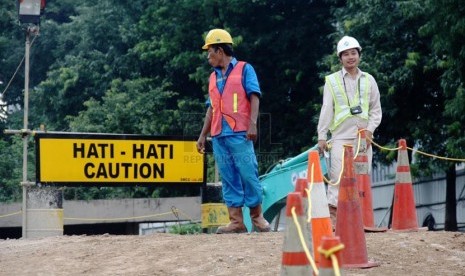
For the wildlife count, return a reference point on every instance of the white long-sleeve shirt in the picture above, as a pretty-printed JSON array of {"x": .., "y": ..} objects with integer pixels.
[{"x": 348, "y": 129}]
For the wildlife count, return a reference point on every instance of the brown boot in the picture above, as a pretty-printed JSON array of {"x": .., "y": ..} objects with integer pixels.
[
  {"x": 258, "y": 220},
  {"x": 236, "y": 224},
  {"x": 333, "y": 215}
]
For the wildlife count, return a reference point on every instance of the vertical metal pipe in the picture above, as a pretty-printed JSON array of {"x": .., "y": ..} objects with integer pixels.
[
  {"x": 217, "y": 175},
  {"x": 24, "y": 184}
]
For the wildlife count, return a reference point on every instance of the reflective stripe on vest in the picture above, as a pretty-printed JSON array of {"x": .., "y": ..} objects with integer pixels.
[
  {"x": 340, "y": 98},
  {"x": 233, "y": 104}
]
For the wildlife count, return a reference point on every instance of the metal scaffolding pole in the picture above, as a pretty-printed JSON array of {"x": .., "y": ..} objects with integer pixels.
[
  {"x": 25, "y": 131},
  {"x": 25, "y": 136}
]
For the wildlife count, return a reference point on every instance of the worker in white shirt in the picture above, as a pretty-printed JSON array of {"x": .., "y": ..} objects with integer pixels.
[{"x": 351, "y": 101}]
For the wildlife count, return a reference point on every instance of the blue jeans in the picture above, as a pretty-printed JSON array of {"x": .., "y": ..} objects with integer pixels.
[{"x": 238, "y": 167}]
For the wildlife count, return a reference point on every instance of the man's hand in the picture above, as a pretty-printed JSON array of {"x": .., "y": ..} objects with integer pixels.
[
  {"x": 252, "y": 132},
  {"x": 322, "y": 146},
  {"x": 369, "y": 138},
  {"x": 201, "y": 144}
]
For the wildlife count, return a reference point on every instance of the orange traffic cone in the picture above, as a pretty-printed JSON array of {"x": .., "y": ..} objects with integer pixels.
[
  {"x": 362, "y": 177},
  {"x": 301, "y": 186},
  {"x": 330, "y": 255},
  {"x": 349, "y": 224},
  {"x": 295, "y": 260},
  {"x": 404, "y": 216},
  {"x": 321, "y": 221}
]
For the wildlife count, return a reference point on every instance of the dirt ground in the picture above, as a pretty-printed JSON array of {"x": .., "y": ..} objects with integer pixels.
[{"x": 398, "y": 253}]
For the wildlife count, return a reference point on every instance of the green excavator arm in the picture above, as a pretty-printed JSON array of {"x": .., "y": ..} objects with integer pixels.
[{"x": 278, "y": 182}]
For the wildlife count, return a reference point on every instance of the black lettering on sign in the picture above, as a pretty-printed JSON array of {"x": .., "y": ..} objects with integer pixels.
[
  {"x": 92, "y": 151},
  {"x": 124, "y": 170},
  {"x": 101, "y": 150},
  {"x": 126, "y": 167},
  {"x": 78, "y": 149},
  {"x": 152, "y": 151},
  {"x": 88, "y": 172}
]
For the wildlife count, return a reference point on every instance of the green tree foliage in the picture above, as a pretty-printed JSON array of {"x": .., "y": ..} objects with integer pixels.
[
  {"x": 10, "y": 171},
  {"x": 132, "y": 106},
  {"x": 405, "y": 64},
  {"x": 137, "y": 67},
  {"x": 284, "y": 40},
  {"x": 90, "y": 50},
  {"x": 395, "y": 54},
  {"x": 446, "y": 27},
  {"x": 11, "y": 53}
]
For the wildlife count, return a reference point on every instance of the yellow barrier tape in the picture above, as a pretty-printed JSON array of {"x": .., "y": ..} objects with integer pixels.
[
  {"x": 130, "y": 218},
  {"x": 330, "y": 253},
  {"x": 438, "y": 157},
  {"x": 45, "y": 210},
  {"x": 340, "y": 174},
  {"x": 46, "y": 229},
  {"x": 174, "y": 211},
  {"x": 328, "y": 181},
  {"x": 308, "y": 191},
  {"x": 384, "y": 148},
  {"x": 185, "y": 215},
  {"x": 420, "y": 152},
  {"x": 359, "y": 140},
  {"x": 12, "y": 214},
  {"x": 115, "y": 219},
  {"x": 302, "y": 240}
]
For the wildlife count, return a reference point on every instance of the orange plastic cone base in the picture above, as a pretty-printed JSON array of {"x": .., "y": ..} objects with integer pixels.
[
  {"x": 362, "y": 177},
  {"x": 404, "y": 212},
  {"x": 366, "y": 203},
  {"x": 314, "y": 159},
  {"x": 328, "y": 242},
  {"x": 321, "y": 226},
  {"x": 294, "y": 260},
  {"x": 349, "y": 224},
  {"x": 294, "y": 200},
  {"x": 404, "y": 216},
  {"x": 300, "y": 185}
]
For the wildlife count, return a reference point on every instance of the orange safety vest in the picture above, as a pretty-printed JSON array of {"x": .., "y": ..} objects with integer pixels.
[{"x": 233, "y": 104}]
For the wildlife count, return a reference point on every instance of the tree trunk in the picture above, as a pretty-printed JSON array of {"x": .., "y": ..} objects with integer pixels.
[{"x": 450, "y": 222}]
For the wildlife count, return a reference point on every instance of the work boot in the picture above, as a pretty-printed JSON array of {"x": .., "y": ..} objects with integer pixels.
[
  {"x": 258, "y": 220},
  {"x": 333, "y": 215},
  {"x": 236, "y": 224}
]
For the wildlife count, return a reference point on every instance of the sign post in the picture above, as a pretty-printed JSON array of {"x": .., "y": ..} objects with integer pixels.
[{"x": 29, "y": 12}]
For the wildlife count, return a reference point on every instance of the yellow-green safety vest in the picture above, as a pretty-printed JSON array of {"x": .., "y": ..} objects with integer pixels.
[{"x": 340, "y": 98}]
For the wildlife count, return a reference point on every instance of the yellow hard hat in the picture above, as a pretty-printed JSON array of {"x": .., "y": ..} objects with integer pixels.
[
  {"x": 347, "y": 42},
  {"x": 217, "y": 36}
]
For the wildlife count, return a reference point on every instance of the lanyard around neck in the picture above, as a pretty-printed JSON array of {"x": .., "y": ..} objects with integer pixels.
[{"x": 357, "y": 89}]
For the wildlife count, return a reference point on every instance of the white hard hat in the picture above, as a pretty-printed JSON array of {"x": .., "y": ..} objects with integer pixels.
[{"x": 347, "y": 42}]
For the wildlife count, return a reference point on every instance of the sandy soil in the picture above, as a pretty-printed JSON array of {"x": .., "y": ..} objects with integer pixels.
[{"x": 398, "y": 253}]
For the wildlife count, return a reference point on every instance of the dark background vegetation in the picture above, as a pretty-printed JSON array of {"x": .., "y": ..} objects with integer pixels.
[{"x": 137, "y": 67}]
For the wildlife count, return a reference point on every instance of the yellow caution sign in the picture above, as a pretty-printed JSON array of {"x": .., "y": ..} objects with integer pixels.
[
  {"x": 117, "y": 159},
  {"x": 214, "y": 214}
]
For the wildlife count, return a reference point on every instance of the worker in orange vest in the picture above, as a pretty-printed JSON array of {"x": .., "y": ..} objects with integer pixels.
[{"x": 231, "y": 119}]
